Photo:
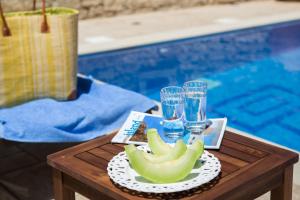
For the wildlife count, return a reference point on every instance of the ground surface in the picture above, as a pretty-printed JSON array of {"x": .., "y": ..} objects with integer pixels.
[
  {"x": 123, "y": 31},
  {"x": 23, "y": 170}
]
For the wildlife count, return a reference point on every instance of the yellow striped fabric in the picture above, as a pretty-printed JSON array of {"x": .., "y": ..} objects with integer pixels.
[{"x": 37, "y": 65}]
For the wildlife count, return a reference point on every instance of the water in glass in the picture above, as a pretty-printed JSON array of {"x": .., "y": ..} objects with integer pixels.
[
  {"x": 172, "y": 108},
  {"x": 195, "y": 105}
]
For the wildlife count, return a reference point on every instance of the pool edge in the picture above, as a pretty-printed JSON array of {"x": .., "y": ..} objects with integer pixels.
[{"x": 188, "y": 33}]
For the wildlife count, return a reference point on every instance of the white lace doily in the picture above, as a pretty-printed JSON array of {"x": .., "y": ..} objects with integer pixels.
[{"x": 205, "y": 170}]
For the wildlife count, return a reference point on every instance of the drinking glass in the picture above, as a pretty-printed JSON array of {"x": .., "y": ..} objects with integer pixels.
[
  {"x": 172, "y": 101},
  {"x": 195, "y": 106}
]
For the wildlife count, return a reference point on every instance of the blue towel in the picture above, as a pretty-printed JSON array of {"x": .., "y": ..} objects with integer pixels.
[{"x": 99, "y": 109}]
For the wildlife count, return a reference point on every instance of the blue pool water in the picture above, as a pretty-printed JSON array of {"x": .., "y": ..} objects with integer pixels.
[{"x": 253, "y": 75}]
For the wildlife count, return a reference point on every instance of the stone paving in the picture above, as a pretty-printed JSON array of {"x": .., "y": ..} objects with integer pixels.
[
  {"x": 104, "y": 8},
  {"x": 130, "y": 30},
  {"x": 24, "y": 173}
]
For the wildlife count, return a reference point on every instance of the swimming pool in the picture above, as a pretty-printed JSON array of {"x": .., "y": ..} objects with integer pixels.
[{"x": 253, "y": 75}]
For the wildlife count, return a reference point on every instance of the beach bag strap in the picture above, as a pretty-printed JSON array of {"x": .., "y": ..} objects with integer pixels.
[
  {"x": 44, "y": 26},
  {"x": 34, "y": 5}
]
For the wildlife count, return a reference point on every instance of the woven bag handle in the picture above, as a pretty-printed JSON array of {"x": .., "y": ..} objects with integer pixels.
[
  {"x": 5, "y": 28},
  {"x": 34, "y": 5},
  {"x": 44, "y": 26}
]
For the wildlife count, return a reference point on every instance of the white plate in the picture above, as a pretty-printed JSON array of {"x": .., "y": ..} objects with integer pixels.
[{"x": 121, "y": 173}]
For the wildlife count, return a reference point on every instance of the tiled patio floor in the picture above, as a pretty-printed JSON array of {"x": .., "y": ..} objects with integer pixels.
[{"x": 23, "y": 170}]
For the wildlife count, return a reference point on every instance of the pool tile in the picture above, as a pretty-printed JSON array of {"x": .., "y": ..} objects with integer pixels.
[{"x": 280, "y": 135}]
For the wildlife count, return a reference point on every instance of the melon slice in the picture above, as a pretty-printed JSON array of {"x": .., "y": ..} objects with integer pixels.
[
  {"x": 166, "y": 172},
  {"x": 177, "y": 151},
  {"x": 156, "y": 144}
]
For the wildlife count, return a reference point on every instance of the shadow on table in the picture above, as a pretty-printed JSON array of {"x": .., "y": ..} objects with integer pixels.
[{"x": 174, "y": 195}]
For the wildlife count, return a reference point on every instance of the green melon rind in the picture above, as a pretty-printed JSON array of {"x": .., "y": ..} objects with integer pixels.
[
  {"x": 199, "y": 148},
  {"x": 178, "y": 150},
  {"x": 156, "y": 144},
  {"x": 165, "y": 172}
]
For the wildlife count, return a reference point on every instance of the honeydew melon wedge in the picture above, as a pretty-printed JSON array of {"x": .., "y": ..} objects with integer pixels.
[
  {"x": 156, "y": 144},
  {"x": 178, "y": 150},
  {"x": 165, "y": 172}
]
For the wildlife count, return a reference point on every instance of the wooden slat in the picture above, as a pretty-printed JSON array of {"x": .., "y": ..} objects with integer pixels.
[
  {"x": 120, "y": 145},
  {"x": 223, "y": 174},
  {"x": 259, "y": 145},
  {"x": 240, "y": 181},
  {"x": 228, "y": 167},
  {"x": 85, "y": 172},
  {"x": 112, "y": 148},
  {"x": 102, "y": 154},
  {"x": 238, "y": 154},
  {"x": 92, "y": 159},
  {"x": 244, "y": 148},
  {"x": 247, "y": 192},
  {"x": 79, "y": 148},
  {"x": 237, "y": 162},
  {"x": 94, "y": 177},
  {"x": 290, "y": 156}
]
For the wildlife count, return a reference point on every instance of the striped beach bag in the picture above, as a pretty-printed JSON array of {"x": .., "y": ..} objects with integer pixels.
[{"x": 38, "y": 55}]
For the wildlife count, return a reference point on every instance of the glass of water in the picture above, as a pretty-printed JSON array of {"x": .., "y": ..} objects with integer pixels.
[
  {"x": 172, "y": 101},
  {"x": 195, "y": 106}
]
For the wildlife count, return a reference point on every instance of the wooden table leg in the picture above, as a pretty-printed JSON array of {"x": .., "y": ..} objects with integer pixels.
[
  {"x": 284, "y": 191},
  {"x": 61, "y": 192}
]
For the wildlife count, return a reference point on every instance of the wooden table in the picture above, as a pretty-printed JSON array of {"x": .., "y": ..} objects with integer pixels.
[{"x": 249, "y": 169}]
